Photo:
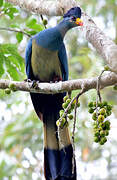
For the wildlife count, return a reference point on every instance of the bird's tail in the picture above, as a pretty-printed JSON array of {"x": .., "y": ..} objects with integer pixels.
[{"x": 58, "y": 156}]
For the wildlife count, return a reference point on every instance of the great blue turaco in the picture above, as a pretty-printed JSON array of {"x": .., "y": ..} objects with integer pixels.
[{"x": 46, "y": 61}]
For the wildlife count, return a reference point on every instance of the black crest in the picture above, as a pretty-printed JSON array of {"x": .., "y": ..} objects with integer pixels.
[{"x": 75, "y": 11}]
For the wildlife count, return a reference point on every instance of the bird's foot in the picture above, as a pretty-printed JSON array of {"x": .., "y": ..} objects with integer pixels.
[
  {"x": 35, "y": 84},
  {"x": 57, "y": 79},
  {"x": 27, "y": 80}
]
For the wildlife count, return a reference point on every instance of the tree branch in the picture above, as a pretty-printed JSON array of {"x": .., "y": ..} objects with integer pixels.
[
  {"x": 53, "y": 88},
  {"x": 14, "y": 30}
]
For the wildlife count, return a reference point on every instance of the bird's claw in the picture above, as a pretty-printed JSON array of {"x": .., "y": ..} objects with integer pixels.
[
  {"x": 27, "y": 80},
  {"x": 35, "y": 84}
]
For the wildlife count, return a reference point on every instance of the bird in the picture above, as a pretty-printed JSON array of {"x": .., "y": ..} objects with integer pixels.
[{"x": 46, "y": 61}]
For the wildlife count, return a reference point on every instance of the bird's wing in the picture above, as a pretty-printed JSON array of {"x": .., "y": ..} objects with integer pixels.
[
  {"x": 28, "y": 54},
  {"x": 63, "y": 59}
]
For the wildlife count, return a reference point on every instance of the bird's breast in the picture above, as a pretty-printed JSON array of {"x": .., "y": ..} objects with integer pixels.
[{"x": 45, "y": 63}]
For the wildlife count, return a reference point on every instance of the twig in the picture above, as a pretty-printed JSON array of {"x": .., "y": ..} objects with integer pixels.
[
  {"x": 98, "y": 92},
  {"x": 74, "y": 127},
  {"x": 73, "y": 135},
  {"x": 42, "y": 21},
  {"x": 14, "y": 30}
]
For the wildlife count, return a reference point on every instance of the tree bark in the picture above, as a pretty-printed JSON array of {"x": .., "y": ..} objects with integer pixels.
[{"x": 53, "y": 88}]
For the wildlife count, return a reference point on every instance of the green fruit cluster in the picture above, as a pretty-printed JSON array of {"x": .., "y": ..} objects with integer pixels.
[
  {"x": 68, "y": 115},
  {"x": 101, "y": 126}
]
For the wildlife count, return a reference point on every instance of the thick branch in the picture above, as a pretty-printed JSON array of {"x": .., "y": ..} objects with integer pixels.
[
  {"x": 50, "y": 8},
  {"x": 104, "y": 45},
  {"x": 53, "y": 88}
]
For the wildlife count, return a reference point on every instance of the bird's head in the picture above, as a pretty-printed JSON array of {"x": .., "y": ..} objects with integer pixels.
[{"x": 73, "y": 17}]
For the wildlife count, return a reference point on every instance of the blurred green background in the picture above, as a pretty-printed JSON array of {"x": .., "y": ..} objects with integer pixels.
[{"x": 21, "y": 133}]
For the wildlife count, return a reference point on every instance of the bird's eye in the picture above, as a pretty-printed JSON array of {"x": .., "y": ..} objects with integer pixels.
[{"x": 73, "y": 18}]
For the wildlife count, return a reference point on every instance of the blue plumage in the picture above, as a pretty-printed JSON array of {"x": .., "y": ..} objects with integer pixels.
[
  {"x": 46, "y": 60},
  {"x": 75, "y": 11}
]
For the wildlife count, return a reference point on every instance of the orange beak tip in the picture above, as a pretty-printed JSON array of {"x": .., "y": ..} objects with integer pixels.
[{"x": 81, "y": 24}]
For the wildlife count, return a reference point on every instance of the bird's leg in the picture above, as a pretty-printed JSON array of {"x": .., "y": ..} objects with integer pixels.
[{"x": 57, "y": 79}]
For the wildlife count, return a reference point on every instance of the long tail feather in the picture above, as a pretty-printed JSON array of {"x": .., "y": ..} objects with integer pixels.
[{"x": 58, "y": 156}]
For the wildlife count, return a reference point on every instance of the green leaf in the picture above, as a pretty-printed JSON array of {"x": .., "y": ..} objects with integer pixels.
[
  {"x": 19, "y": 37},
  {"x": 15, "y": 25},
  {"x": 1, "y": 3},
  {"x": 12, "y": 60},
  {"x": 12, "y": 70},
  {"x": 1, "y": 64},
  {"x": 31, "y": 22},
  {"x": 32, "y": 32},
  {"x": 10, "y": 11},
  {"x": 11, "y": 50}
]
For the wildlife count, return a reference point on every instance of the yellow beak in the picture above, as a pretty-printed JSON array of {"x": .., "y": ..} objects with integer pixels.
[{"x": 79, "y": 22}]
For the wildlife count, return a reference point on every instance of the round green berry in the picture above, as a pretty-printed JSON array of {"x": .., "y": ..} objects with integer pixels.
[
  {"x": 107, "y": 125},
  {"x": 101, "y": 124},
  {"x": 7, "y": 91},
  {"x": 70, "y": 116},
  {"x": 100, "y": 104},
  {"x": 58, "y": 123},
  {"x": 97, "y": 133},
  {"x": 105, "y": 103},
  {"x": 62, "y": 123},
  {"x": 106, "y": 132},
  {"x": 107, "y": 122},
  {"x": 12, "y": 87},
  {"x": 95, "y": 125},
  {"x": 69, "y": 111},
  {"x": 91, "y": 110},
  {"x": 68, "y": 101},
  {"x": 108, "y": 113},
  {"x": 78, "y": 104},
  {"x": 106, "y": 68},
  {"x": 61, "y": 112},
  {"x": 65, "y": 98},
  {"x": 115, "y": 87},
  {"x": 100, "y": 118},
  {"x": 96, "y": 139},
  {"x": 101, "y": 143},
  {"x": 45, "y": 22},
  {"x": 102, "y": 111},
  {"x": 72, "y": 106},
  {"x": 105, "y": 115},
  {"x": 90, "y": 104},
  {"x": 64, "y": 105},
  {"x": 109, "y": 107},
  {"x": 103, "y": 139},
  {"x": 94, "y": 104},
  {"x": 94, "y": 117},
  {"x": 102, "y": 133}
]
